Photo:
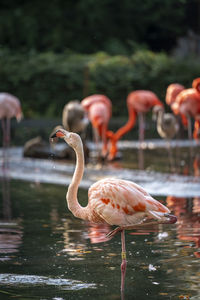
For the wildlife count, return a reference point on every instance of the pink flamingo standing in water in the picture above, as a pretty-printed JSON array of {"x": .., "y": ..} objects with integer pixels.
[
  {"x": 9, "y": 107},
  {"x": 99, "y": 109},
  {"x": 138, "y": 102},
  {"x": 187, "y": 104},
  {"x": 112, "y": 201}
]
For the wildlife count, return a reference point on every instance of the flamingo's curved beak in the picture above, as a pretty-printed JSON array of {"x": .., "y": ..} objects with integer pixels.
[
  {"x": 58, "y": 134},
  {"x": 171, "y": 218}
]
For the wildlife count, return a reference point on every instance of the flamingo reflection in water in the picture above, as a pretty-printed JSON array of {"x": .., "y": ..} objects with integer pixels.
[
  {"x": 188, "y": 227},
  {"x": 10, "y": 230},
  {"x": 112, "y": 201}
]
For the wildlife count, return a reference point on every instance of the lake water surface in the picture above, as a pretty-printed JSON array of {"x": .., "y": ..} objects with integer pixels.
[{"x": 47, "y": 253}]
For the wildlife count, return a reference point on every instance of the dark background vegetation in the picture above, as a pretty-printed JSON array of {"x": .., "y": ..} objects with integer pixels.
[{"x": 55, "y": 51}]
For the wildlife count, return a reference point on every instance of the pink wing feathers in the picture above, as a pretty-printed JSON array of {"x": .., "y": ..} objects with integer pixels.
[
  {"x": 97, "y": 98},
  {"x": 123, "y": 203},
  {"x": 143, "y": 100},
  {"x": 172, "y": 92}
]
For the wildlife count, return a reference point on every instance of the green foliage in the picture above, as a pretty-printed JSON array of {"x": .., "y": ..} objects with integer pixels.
[
  {"x": 45, "y": 82},
  {"x": 88, "y": 26}
]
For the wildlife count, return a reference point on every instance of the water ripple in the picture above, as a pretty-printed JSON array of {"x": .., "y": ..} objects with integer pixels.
[{"x": 33, "y": 280}]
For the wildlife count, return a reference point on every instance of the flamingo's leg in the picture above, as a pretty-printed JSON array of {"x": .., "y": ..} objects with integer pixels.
[
  {"x": 113, "y": 232},
  {"x": 104, "y": 141},
  {"x": 96, "y": 140},
  {"x": 3, "y": 123},
  {"x": 8, "y": 132},
  {"x": 189, "y": 128},
  {"x": 7, "y": 139},
  {"x": 124, "y": 262},
  {"x": 196, "y": 132},
  {"x": 141, "y": 117},
  {"x": 169, "y": 219},
  {"x": 190, "y": 139}
]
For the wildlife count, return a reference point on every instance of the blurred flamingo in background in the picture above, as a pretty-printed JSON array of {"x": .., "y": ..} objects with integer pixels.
[
  {"x": 99, "y": 110},
  {"x": 172, "y": 92},
  {"x": 187, "y": 104},
  {"x": 138, "y": 102},
  {"x": 112, "y": 201},
  {"x": 9, "y": 107},
  {"x": 74, "y": 118}
]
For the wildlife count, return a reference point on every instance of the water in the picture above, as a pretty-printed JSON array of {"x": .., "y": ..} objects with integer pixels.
[{"x": 46, "y": 253}]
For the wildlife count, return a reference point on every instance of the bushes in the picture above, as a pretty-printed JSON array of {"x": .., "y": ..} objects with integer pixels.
[{"x": 45, "y": 82}]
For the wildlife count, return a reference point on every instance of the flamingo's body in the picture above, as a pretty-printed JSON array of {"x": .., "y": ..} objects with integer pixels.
[
  {"x": 121, "y": 202},
  {"x": 112, "y": 201},
  {"x": 99, "y": 110},
  {"x": 138, "y": 102},
  {"x": 9, "y": 107},
  {"x": 172, "y": 92},
  {"x": 187, "y": 104}
]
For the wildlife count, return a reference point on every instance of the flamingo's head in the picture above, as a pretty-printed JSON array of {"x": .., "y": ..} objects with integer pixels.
[
  {"x": 196, "y": 84},
  {"x": 156, "y": 110},
  {"x": 71, "y": 138},
  {"x": 19, "y": 114}
]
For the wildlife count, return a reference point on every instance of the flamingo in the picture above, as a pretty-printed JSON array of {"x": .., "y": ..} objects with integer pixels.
[
  {"x": 112, "y": 201},
  {"x": 138, "y": 102},
  {"x": 167, "y": 127},
  {"x": 99, "y": 109},
  {"x": 73, "y": 117},
  {"x": 187, "y": 104},
  {"x": 9, "y": 107},
  {"x": 172, "y": 92}
]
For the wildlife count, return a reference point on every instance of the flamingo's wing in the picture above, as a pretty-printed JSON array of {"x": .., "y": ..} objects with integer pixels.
[{"x": 123, "y": 203}]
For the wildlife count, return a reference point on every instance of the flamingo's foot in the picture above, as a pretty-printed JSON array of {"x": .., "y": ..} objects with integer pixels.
[{"x": 114, "y": 232}]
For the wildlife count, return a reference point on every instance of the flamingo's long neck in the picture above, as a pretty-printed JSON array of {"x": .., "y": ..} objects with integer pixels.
[
  {"x": 71, "y": 196},
  {"x": 127, "y": 127},
  {"x": 160, "y": 118},
  {"x": 114, "y": 137}
]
